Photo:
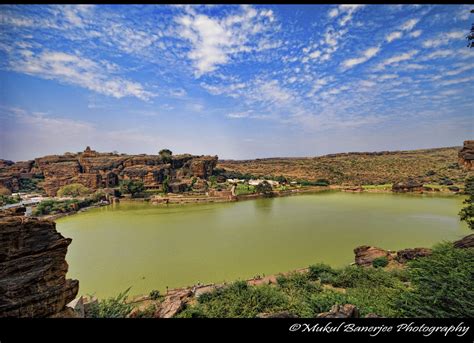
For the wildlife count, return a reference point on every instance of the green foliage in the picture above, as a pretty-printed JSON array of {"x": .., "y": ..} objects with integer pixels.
[
  {"x": 355, "y": 276},
  {"x": 30, "y": 184},
  {"x": 213, "y": 180},
  {"x": 380, "y": 262},
  {"x": 132, "y": 187},
  {"x": 238, "y": 300},
  {"x": 264, "y": 188},
  {"x": 111, "y": 307},
  {"x": 165, "y": 155},
  {"x": 155, "y": 295},
  {"x": 73, "y": 190},
  {"x": 467, "y": 212},
  {"x": 442, "y": 284},
  {"x": 8, "y": 199},
  {"x": 65, "y": 206},
  {"x": 242, "y": 189},
  {"x": 166, "y": 184},
  {"x": 320, "y": 182},
  {"x": 316, "y": 270}
]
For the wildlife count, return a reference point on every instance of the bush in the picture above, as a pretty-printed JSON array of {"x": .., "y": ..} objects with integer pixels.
[
  {"x": 73, "y": 190},
  {"x": 355, "y": 276},
  {"x": 442, "y": 284},
  {"x": 381, "y": 261},
  {"x": 111, "y": 307},
  {"x": 132, "y": 187},
  {"x": 316, "y": 270},
  {"x": 155, "y": 295},
  {"x": 238, "y": 300},
  {"x": 467, "y": 213},
  {"x": 264, "y": 187}
]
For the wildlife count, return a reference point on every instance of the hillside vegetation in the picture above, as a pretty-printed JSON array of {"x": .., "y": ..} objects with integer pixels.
[{"x": 427, "y": 165}]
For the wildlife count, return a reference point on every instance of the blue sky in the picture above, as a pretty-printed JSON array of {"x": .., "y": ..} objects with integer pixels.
[{"x": 237, "y": 81}]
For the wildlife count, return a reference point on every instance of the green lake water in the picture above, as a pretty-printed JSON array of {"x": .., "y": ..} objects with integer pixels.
[{"x": 151, "y": 247}]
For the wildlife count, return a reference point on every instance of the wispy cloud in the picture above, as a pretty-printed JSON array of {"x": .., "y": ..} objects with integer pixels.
[
  {"x": 444, "y": 39},
  {"x": 365, "y": 56}
]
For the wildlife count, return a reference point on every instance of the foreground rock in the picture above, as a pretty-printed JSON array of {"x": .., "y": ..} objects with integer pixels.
[
  {"x": 33, "y": 269},
  {"x": 341, "y": 311},
  {"x": 365, "y": 255},
  {"x": 411, "y": 254},
  {"x": 466, "y": 155},
  {"x": 282, "y": 314},
  {"x": 466, "y": 242},
  {"x": 173, "y": 303}
]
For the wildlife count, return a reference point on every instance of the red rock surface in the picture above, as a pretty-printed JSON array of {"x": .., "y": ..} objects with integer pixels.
[
  {"x": 101, "y": 170},
  {"x": 33, "y": 268},
  {"x": 466, "y": 155}
]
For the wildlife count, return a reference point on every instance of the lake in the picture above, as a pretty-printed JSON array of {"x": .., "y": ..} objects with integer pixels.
[{"x": 151, "y": 247}]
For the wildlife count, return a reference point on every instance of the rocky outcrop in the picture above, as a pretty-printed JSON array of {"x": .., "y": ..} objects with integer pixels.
[
  {"x": 410, "y": 254},
  {"x": 102, "y": 170},
  {"x": 282, "y": 314},
  {"x": 341, "y": 311},
  {"x": 409, "y": 185},
  {"x": 173, "y": 303},
  {"x": 466, "y": 242},
  {"x": 365, "y": 255},
  {"x": 466, "y": 155},
  {"x": 33, "y": 268}
]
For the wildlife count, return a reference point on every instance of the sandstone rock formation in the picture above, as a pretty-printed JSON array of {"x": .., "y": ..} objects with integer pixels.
[
  {"x": 173, "y": 303},
  {"x": 466, "y": 242},
  {"x": 410, "y": 254},
  {"x": 33, "y": 268},
  {"x": 409, "y": 185},
  {"x": 101, "y": 170},
  {"x": 466, "y": 155},
  {"x": 365, "y": 255}
]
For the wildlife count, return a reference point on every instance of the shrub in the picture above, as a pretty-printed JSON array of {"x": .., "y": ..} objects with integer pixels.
[
  {"x": 132, "y": 187},
  {"x": 238, "y": 300},
  {"x": 381, "y": 261},
  {"x": 155, "y": 295},
  {"x": 73, "y": 190},
  {"x": 442, "y": 284},
  {"x": 316, "y": 270},
  {"x": 111, "y": 307},
  {"x": 322, "y": 302},
  {"x": 355, "y": 276},
  {"x": 165, "y": 155},
  {"x": 264, "y": 187}
]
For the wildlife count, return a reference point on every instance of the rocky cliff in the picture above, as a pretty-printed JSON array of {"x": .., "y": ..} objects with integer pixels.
[
  {"x": 98, "y": 170},
  {"x": 33, "y": 268},
  {"x": 466, "y": 155}
]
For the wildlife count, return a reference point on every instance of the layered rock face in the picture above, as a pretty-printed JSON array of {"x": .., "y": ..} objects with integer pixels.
[
  {"x": 466, "y": 155},
  {"x": 410, "y": 185},
  {"x": 33, "y": 268},
  {"x": 100, "y": 170}
]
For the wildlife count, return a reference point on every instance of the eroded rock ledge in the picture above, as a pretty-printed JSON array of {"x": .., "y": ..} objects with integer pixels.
[{"x": 33, "y": 268}]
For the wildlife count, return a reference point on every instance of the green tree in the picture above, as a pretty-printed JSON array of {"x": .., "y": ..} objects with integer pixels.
[
  {"x": 73, "y": 190},
  {"x": 132, "y": 187},
  {"x": 264, "y": 188},
  {"x": 467, "y": 213},
  {"x": 165, "y": 155},
  {"x": 166, "y": 184}
]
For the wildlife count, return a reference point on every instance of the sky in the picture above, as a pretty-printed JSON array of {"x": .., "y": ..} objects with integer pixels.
[{"x": 237, "y": 81}]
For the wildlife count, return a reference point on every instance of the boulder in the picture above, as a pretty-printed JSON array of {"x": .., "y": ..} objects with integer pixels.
[
  {"x": 466, "y": 242},
  {"x": 33, "y": 268},
  {"x": 282, "y": 314},
  {"x": 341, "y": 311},
  {"x": 365, "y": 255},
  {"x": 410, "y": 254},
  {"x": 173, "y": 303},
  {"x": 466, "y": 155},
  {"x": 409, "y": 185}
]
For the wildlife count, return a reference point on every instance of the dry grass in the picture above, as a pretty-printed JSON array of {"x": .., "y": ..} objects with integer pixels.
[{"x": 359, "y": 168}]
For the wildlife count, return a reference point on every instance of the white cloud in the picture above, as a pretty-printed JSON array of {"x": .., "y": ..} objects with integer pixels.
[
  {"x": 76, "y": 70},
  {"x": 456, "y": 81},
  {"x": 444, "y": 39},
  {"x": 366, "y": 55},
  {"x": 393, "y": 36},
  {"x": 409, "y": 24},
  {"x": 416, "y": 33},
  {"x": 345, "y": 12},
  {"x": 396, "y": 59},
  {"x": 215, "y": 41}
]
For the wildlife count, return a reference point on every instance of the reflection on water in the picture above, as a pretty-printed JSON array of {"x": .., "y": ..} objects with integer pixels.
[{"x": 150, "y": 247}]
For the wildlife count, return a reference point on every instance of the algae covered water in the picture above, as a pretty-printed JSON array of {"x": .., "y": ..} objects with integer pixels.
[{"x": 151, "y": 247}]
